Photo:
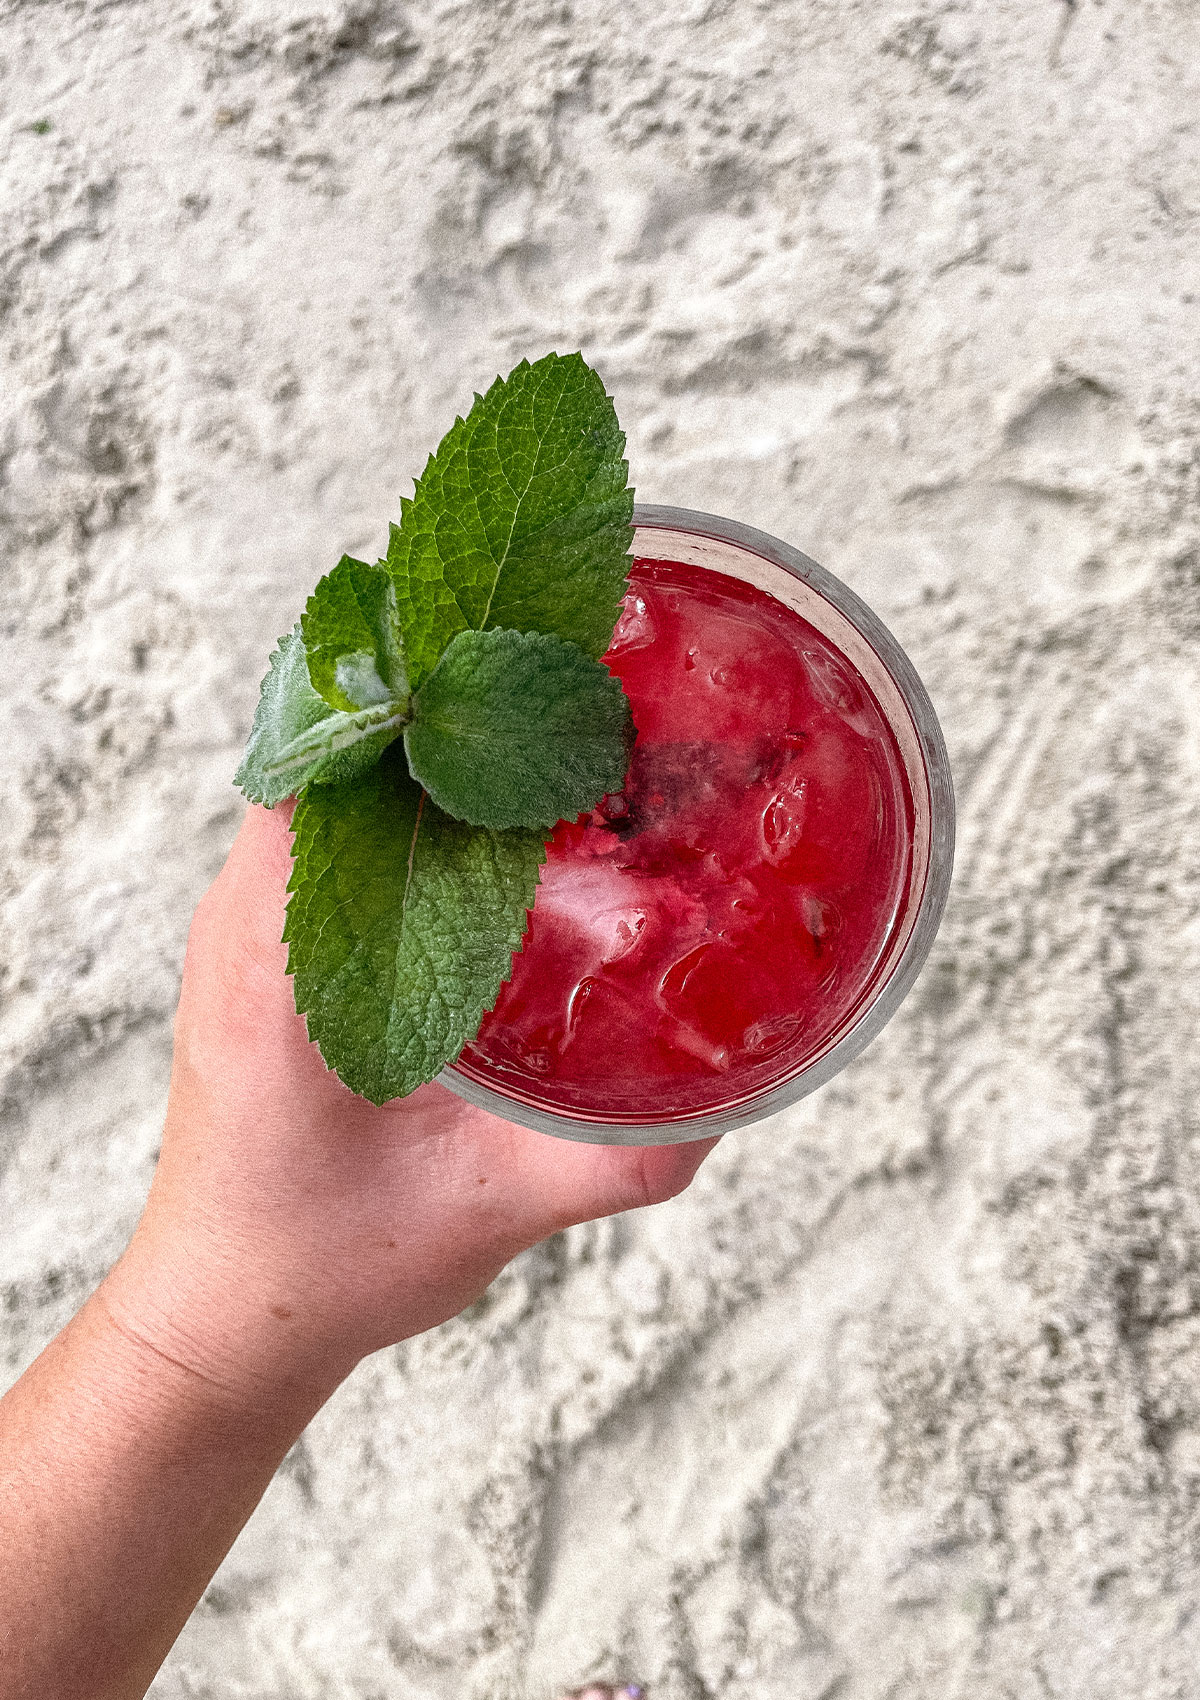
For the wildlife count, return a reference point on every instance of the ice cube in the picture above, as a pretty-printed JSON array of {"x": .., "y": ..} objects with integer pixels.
[
  {"x": 601, "y": 1014},
  {"x": 830, "y": 680},
  {"x": 672, "y": 985},
  {"x": 836, "y": 684},
  {"x": 635, "y": 628},
  {"x": 812, "y": 912},
  {"x": 600, "y": 908},
  {"x": 724, "y": 1001},
  {"x": 627, "y": 930},
  {"x": 687, "y": 1037},
  {"x": 762, "y": 1039},
  {"x": 683, "y": 1024},
  {"x": 822, "y": 921},
  {"x": 783, "y": 819}
]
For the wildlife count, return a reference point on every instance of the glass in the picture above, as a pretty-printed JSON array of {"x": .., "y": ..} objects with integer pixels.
[{"x": 740, "y": 552}]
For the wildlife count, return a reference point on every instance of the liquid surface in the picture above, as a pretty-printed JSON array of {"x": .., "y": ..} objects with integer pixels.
[{"x": 701, "y": 935}]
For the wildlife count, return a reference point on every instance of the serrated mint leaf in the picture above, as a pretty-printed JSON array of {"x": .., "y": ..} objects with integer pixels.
[
  {"x": 352, "y": 636},
  {"x": 518, "y": 729},
  {"x": 401, "y": 926},
  {"x": 297, "y": 738},
  {"x": 334, "y": 736},
  {"x": 287, "y": 706},
  {"x": 521, "y": 519}
]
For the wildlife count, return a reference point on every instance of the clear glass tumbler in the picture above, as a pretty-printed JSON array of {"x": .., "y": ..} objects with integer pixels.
[{"x": 741, "y": 552}]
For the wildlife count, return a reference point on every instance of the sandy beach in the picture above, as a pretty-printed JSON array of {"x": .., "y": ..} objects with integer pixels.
[{"x": 902, "y": 1399}]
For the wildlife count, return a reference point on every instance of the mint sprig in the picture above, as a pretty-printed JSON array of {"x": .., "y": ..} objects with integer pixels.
[{"x": 477, "y": 641}]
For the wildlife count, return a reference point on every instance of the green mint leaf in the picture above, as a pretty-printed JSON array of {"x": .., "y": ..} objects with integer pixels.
[
  {"x": 352, "y": 636},
  {"x": 518, "y": 729},
  {"x": 401, "y": 926},
  {"x": 522, "y": 518},
  {"x": 287, "y": 706},
  {"x": 333, "y": 736},
  {"x": 297, "y": 738}
]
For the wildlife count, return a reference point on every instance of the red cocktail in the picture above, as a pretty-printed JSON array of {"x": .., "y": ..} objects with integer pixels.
[{"x": 704, "y": 939}]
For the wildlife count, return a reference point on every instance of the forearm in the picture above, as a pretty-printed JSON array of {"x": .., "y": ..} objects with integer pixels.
[{"x": 124, "y": 1479}]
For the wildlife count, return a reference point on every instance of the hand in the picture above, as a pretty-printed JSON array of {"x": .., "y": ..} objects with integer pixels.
[{"x": 293, "y": 1227}]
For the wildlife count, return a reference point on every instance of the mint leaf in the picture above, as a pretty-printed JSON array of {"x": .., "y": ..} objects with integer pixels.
[
  {"x": 331, "y": 737},
  {"x": 401, "y": 926},
  {"x": 298, "y": 739},
  {"x": 518, "y": 729},
  {"x": 521, "y": 519},
  {"x": 287, "y": 707},
  {"x": 352, "y": 636}
]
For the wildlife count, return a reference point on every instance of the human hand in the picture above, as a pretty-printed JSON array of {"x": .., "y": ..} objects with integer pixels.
[{"x": 292, "y": 1227}]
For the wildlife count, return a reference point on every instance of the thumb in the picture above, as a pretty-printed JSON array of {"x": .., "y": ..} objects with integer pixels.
[{"x": 583, "y": 1182}]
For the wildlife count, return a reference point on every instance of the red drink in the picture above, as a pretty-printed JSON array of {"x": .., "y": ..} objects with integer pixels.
[{"x": 708, "y": 932}]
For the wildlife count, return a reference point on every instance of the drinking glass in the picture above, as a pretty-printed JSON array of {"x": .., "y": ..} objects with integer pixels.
[{"x": 783, "y": 572}]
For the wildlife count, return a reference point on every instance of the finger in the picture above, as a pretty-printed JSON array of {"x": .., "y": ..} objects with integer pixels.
[
  {"x": 668, "y": 1170},
  {"x": 235, "y": 976},
  {"x": 239, "y": 920},
  {"x": 569, "y": 1181},
  {"x": 252, "y": 886}
]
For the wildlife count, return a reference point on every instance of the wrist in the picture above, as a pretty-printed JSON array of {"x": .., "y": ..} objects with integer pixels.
[{"x": 222, "y": 1323}]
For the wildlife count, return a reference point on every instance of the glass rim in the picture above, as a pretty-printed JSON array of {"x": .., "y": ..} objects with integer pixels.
[{"x": 890, "y": 994}]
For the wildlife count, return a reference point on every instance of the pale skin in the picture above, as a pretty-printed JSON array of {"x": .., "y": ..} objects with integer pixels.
[{"x": 291, "y": 1229}]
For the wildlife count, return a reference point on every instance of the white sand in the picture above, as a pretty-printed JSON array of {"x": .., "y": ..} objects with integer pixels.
[{"x": 903, "y": 1399}]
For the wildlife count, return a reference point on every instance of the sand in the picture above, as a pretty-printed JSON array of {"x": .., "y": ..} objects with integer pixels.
[{"x": 903, "y": 1398}]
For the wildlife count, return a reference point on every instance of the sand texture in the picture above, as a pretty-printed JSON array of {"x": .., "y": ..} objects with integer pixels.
[{"x": 903, "y": 1399}]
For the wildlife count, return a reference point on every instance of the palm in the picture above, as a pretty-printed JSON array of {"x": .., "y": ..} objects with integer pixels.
[{"x": 353, "y": 1197}]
